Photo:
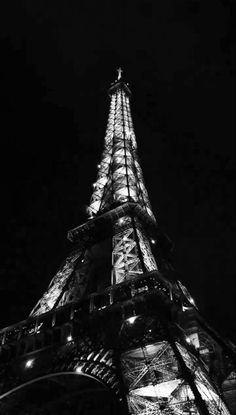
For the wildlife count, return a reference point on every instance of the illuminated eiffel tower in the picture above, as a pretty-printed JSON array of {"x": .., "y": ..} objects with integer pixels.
[{"x": 115, "y": 332}]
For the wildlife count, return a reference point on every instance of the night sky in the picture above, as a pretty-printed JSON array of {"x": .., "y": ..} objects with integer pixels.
[{"x": 57, "y": 61}]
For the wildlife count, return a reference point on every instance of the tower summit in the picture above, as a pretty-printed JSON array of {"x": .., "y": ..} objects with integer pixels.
[
  {"x": 120, "y": 177},
  {"x": 115, "y": 332}
]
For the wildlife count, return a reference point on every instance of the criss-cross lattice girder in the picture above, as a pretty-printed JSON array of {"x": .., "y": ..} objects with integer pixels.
[{"x": 119, "y": 177}]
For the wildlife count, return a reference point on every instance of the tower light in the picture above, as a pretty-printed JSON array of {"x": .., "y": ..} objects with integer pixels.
[
  {"x": 29, "y": 363},
  {"x": 132, "y": 319},
  {"x": 79, "y": 369}
]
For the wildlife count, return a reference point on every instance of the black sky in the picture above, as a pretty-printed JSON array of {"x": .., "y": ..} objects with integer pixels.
[{"x": 57, "y": 61}]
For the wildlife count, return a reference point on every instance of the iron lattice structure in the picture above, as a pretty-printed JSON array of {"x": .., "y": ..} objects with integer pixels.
[{"x": 115, "y": 322}]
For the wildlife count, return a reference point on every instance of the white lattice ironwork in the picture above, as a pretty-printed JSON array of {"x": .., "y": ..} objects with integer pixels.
[
  {"x": 47, "y": 301},
  {"x": 131, "y": 254},
  {"x": 125, "y": 258},
  {"x": 68, "y": 284},
  {"x": 156, "y": 385},
  {"x": 148, "y": 258},
  {"x": 208, "y": 393},
  {"x": 119, "y": 173}
]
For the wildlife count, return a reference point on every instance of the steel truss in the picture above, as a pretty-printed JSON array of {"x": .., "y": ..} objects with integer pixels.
[
  {"x": 156, "y": 384},
  {"x": 69, "y": 283},
  {"x": 119, "y": 176},
  {"x": 131, "y": 254}
]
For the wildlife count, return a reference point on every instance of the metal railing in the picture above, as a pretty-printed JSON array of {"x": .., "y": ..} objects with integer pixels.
[{"x": 113, "y": 295}]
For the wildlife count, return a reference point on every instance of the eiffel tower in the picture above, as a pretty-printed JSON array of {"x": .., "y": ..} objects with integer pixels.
[{"x": 116, "y": 332}]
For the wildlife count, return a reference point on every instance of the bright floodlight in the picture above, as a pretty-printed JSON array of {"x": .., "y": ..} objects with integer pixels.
[
  {"x": 188, "y": 340},
  {"x": 79, "y": 369},
  {"x": 69, "y": 338},
  {"x": 29, "y": 363},
  {"x": 153, "y": 241},
  {"x": 191, "y": 300},
  {"x": 132, "y": 319}
]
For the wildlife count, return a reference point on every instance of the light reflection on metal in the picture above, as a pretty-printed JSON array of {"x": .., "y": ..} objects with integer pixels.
[
  {"x": 187, "y": 294},
  {"x": 132, "y": 319},
  {"x": 148, "y": 257},
  {"x": 29, "y": 363},
  {"x": 79, "y": 369}
]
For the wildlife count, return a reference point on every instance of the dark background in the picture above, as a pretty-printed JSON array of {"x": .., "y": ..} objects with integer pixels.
[{"x": 57, "y": 61}]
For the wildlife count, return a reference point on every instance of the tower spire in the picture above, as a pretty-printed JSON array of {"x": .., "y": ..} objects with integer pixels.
[
  {"x": 120, "y": 178},
  {"x": 119, "y": 71}
]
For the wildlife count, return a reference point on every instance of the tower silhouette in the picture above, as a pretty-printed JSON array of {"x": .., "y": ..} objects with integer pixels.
[{"x": 116, "y": 331}]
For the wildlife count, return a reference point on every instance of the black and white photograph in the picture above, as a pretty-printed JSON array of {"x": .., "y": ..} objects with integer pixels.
[{"x": 118, "y": 214}]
